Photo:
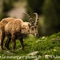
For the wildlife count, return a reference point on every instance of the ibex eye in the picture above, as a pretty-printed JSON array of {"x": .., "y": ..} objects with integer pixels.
[
  {"x": 35, "y": 26},
  {"x": 32, "y": 28}
]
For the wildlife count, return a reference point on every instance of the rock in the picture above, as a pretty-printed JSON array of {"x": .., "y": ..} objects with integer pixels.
[
  {"x": 8, "y": 52},
  {"x": 36, "y": 59},
  {"x": 48, "y": 56},
  {"x": 33, "y": 53},
  {"x": 43, "y": 37}
]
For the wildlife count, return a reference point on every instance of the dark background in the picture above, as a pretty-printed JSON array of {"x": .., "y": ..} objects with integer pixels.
[{"x": 48, "y": 11}]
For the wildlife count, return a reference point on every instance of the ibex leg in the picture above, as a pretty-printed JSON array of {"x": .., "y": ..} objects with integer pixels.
[
  {"x": 7, "y": 42},
  {"x": 13, "y": 41},
  {"x": 22, "y": 43}
]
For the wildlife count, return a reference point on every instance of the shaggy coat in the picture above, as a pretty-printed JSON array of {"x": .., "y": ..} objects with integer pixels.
[
  {"x": 6, "y": 20},
  {"x": 17, "y": 29},
  {"x": 3, "y": 22},
  {"x": 1, "y": 35}
]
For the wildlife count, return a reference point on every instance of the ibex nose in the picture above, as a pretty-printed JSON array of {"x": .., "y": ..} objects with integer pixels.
[{"x": 36, "y": 35}]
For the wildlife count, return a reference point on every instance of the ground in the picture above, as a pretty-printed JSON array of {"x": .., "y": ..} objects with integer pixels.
[{"x": 42, "y": 48}]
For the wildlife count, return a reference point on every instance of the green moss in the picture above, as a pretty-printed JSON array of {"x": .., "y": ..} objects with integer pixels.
[{"x": 47, "y": 45}]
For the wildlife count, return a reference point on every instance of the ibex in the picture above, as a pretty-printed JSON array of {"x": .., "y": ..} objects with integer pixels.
[
  {"x": 13, "y": 32},
  {"x": 18, "y": 28},
  {"x": 3, "y": 22}
]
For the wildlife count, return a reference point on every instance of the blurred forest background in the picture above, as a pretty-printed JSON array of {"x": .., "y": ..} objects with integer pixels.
[{"x": 48, "y": 11}]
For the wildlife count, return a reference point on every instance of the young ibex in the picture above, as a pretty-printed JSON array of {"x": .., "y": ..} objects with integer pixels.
[{"x": 18, "y": 28}]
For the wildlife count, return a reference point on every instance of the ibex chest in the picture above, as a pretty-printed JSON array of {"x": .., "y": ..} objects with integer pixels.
[{"x": 19, "y": 35}]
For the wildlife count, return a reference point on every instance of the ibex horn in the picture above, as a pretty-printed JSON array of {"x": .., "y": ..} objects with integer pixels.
[
  {"x": 28, "y": 16},
  {"x": 36, "y": 21}
]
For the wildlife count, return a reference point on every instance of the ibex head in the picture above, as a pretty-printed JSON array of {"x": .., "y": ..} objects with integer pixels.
[
  {"x": 25, "y": 28},
  {"x": 33, "y": 26}
]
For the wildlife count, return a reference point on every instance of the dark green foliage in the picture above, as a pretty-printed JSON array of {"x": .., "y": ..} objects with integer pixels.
[
  {"x": 35, "y": 6},
  {"x": 7, "y": 5},
  {"x": 51, "y": 11}
]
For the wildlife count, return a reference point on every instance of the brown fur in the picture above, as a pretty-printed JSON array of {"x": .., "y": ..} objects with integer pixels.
[
  {"x": 2, "y": 30},
  {"x": 1, "y": 35},
  {"x": 16, "y": 30},
  {"x": 6, "y": 20}
]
